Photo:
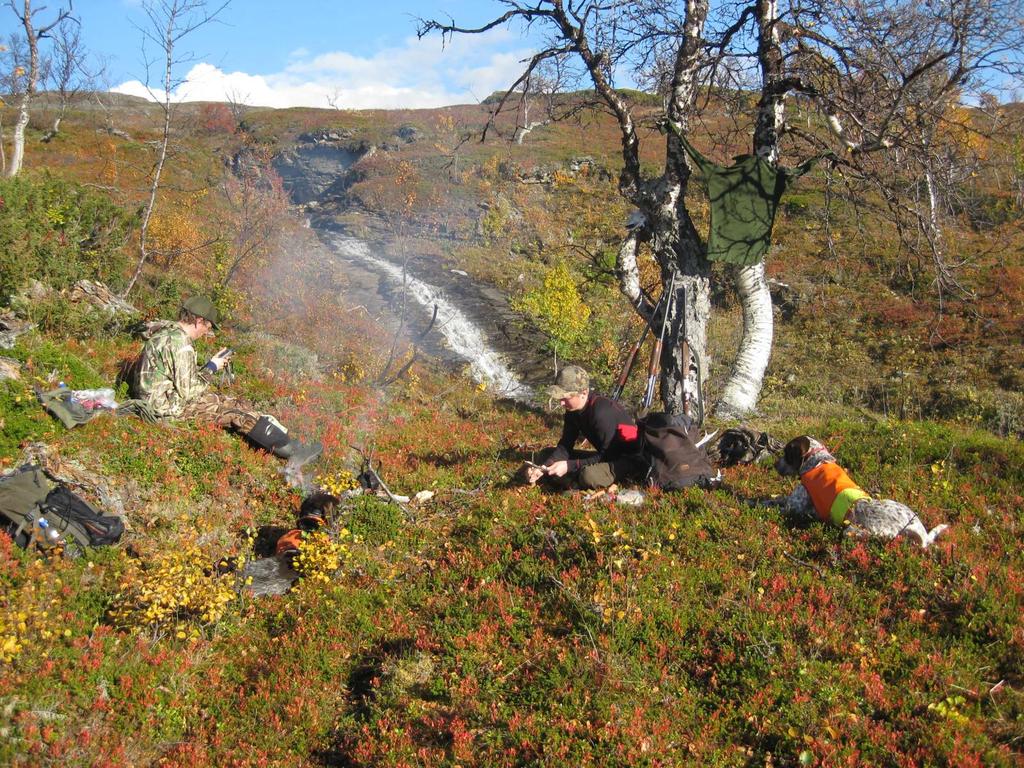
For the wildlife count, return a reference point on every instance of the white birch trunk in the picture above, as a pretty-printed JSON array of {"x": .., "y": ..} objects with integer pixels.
[
  {"x": 677, "y": 240},
  {"x": 18, "y": 146},
  {"x": 743, "y": 389},
  {"x": 18, "y": 138}
]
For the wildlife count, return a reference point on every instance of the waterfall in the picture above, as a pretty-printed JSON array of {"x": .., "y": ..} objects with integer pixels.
[{"x": 460, "y": 334}]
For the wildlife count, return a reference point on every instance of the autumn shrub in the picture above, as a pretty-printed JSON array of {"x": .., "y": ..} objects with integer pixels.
[
  {"x": 57, "y": 232},
  {"x": 336, "y": 483},
  {"x": 499, "y": 217},
  {"x": 558, "y": 308},
  {"x": 30, "y": 619},
  {"x": 216, "y": 118},
  {"x": 350, "y": 368},
  {"x": 179, "y": 592},
  {"x": 320, "y": 555}
]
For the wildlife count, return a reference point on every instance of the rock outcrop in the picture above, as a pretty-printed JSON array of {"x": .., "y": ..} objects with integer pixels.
[{"x": 320, "y": 166}]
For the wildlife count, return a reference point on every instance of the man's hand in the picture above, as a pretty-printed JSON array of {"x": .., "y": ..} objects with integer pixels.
[
  {"x": 534, "y": 473},
  {"x": 557, "y": 469},
  {"x": 221, "y": 359}
]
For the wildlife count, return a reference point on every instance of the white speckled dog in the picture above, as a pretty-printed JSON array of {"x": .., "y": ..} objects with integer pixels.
[{"x": 828, "y": 494}]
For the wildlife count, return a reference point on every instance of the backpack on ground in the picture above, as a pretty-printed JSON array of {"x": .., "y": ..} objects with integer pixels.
[
  {"x": 21, "y": 494},
  {"x": 743, "y": 445},
  {"x": 72, "y": 515},
  {"x": 28, "y": 494},
  {"x": 669, "y": 445}
]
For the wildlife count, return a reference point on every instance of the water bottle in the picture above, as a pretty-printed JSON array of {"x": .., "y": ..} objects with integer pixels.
[{"x": 47, "y": 537}]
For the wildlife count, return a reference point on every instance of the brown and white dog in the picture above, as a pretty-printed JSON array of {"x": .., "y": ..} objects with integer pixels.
[{"x": 828, "y": 494}]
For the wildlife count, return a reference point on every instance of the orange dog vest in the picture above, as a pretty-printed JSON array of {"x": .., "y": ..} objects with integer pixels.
[{"x": 832, "y": 491}]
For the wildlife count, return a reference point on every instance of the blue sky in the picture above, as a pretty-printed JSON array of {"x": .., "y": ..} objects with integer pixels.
[{"x": 357, "y": 53}]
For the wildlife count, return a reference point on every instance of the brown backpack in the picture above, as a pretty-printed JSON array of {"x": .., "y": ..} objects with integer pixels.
[{"x": 669, "y": 445}]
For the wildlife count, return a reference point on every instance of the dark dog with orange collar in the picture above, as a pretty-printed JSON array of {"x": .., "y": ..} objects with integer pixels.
[
  {"x": 313, "y": 515},
  {"x": 827, "y": 493}
]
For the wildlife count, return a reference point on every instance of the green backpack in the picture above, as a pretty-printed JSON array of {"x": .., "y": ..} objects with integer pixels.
[{"x": 28, "y": 494}]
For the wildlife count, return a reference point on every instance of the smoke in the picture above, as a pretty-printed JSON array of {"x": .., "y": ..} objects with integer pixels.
[{"x": 461, "y": 335}]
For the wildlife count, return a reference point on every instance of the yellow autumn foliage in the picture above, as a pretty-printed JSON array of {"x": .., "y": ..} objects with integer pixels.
[
  {"x": 557, "y": 306},
  {"x": 30, "y": 616},
  {"x": 175, "y": 230},
  {"x": 180, "y": 592},
  {"x": 320, "y": 556}
]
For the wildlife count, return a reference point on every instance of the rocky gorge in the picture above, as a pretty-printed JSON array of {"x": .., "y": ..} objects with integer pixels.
[{"x": 475, "y": 324}]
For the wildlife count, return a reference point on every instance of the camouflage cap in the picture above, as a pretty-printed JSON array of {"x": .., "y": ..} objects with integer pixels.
[
  {"x": 200, "y": 306},
  {"x": 571, "y": 380}
]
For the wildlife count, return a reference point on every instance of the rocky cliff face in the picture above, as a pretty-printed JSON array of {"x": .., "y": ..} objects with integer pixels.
[{"x": 318, "y": 168}]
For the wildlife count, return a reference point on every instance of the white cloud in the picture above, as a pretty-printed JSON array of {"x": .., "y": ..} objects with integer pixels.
[{"x": 418, "y": 74}]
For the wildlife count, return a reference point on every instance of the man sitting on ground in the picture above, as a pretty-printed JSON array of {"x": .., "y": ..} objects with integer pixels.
[
  {"x": 606, "y": 425},
  {"x": 168, "y": 379}
]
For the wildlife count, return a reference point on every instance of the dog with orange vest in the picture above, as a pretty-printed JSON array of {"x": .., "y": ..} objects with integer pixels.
[{"x": 827, "y": 493}]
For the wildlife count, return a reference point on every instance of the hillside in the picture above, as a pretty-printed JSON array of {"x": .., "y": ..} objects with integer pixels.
[{"x": 493, "y": 624}]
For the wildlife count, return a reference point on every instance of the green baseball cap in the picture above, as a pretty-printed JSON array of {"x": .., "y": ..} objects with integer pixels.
[
  {"x": 200, "y": 306},
  {"x": 571, "y": 380}
]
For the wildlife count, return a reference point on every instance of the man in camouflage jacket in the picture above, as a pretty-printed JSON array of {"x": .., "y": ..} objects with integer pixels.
[{"x": 170, "y": 381}]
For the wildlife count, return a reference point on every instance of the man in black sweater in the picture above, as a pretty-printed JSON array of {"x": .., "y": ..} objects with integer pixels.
[{"x": 607, "y": 426}]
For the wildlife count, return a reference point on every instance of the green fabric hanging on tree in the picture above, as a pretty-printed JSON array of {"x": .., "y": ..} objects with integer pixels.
[{"x": 744, "y": 198}]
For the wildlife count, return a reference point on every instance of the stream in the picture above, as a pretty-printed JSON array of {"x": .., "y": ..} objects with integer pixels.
[
  {"x": 461, "y": 335},
  {"x": 475, "y": 325}
]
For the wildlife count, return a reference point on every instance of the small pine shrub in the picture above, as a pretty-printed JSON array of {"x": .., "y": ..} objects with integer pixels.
[{"x": 375, "y": 520}]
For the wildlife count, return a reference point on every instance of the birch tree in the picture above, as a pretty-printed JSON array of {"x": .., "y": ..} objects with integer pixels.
[
  {"x": 67, "y": 74},
  {"x": 30, "y": 78},
  {"x": 11, "y": 77},
  {"x": 168, "y": 23},
  {"x": 861, "y": 66},
  {"x": 541, "y": 101},
  {"x": 585, "y": 31}
]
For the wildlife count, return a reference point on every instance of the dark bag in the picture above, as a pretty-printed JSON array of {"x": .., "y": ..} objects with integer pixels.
[
  {"x": 74, "y": 516},
  {"x": 743, "y": 445},
  {"x": 669, "y": 445},
  {"x": 28, "y": 494}
]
